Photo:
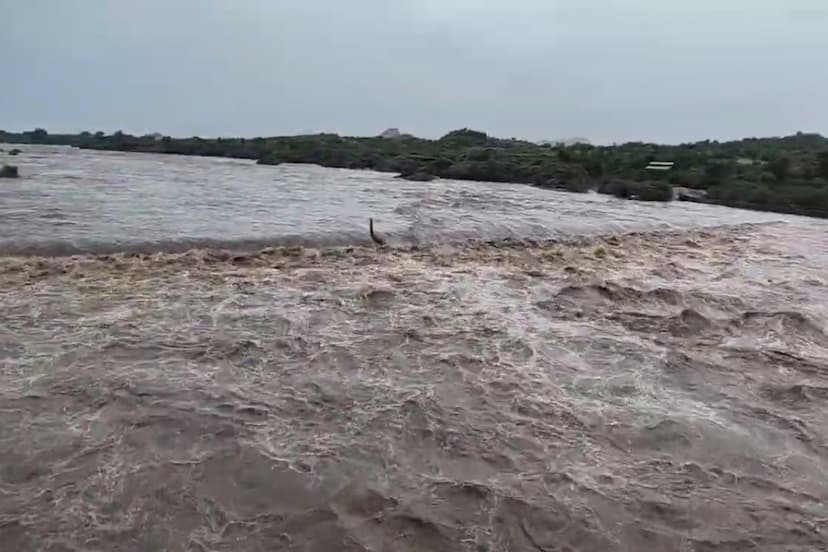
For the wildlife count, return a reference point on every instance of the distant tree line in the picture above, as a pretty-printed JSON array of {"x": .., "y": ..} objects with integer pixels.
[{"x": 786, "y": 174}]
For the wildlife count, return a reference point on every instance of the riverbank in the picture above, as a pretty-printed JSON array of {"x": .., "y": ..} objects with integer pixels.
[
  {"x": 788, "y": 174},
  {"x": 71, "y": 201}
]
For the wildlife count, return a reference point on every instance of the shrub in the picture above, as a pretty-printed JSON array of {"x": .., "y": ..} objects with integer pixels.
[
  {"x": 614, "y": 187},
  {"x": 652, "y": 191},
  {"x": 642, "y": 191}
]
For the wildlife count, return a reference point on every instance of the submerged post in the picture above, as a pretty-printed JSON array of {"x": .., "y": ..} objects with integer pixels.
[{"x": 376, "y": 239}]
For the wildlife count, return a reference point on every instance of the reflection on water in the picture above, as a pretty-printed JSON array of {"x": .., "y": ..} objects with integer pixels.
[{"x": 656, "y": 391}]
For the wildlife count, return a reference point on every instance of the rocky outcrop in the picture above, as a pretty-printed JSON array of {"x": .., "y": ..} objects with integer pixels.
[
  {"x": 418, "y": 177},
  {"x": 391, "y": 133},
  {"x": 9, "y": 171},
  {"x": 689, "y": 194}
]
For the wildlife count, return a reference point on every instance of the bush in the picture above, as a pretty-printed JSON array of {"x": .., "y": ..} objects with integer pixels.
[
  {"x": 652, "y": 191},
  {"x": 404, "y": 166},
  {"x": 465, "y": 137},
  {"x": 615, "y": 187},
  {"x": 574, "y": 179},
  {"x": 9, "y": 171},
  {"x": 642, "y": 191}
]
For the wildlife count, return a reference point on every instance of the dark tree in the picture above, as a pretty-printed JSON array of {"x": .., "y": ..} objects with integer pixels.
[{"x": 780, "y": 167}]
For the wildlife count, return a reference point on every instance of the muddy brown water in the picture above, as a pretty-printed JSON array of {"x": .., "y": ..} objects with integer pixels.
[{"x": 643, "y": 388}]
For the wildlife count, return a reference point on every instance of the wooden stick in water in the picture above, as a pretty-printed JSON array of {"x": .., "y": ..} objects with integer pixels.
[{"x": 377, "y": 239}]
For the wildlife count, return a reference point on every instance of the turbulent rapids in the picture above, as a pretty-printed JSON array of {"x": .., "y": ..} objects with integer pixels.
[{"x": 638, "y": 390}]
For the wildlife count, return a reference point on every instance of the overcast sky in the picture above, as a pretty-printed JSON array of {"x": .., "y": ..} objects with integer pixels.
[{"x": 607, "y": 70}]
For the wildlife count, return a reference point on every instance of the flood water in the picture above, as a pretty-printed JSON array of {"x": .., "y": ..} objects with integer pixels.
[
  {"x": 230, "y": 366},
  {"x": 74, "y": 201}
]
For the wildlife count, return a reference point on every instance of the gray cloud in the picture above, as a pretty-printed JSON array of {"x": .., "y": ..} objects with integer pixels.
[{"x": 609, "y": 70}]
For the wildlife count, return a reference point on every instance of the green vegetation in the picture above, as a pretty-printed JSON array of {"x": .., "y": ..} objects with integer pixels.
[
  {"x": 9, "y": 171},
  {"x": 787, "y": 174},
  {"x": 640, "y": 190}
]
